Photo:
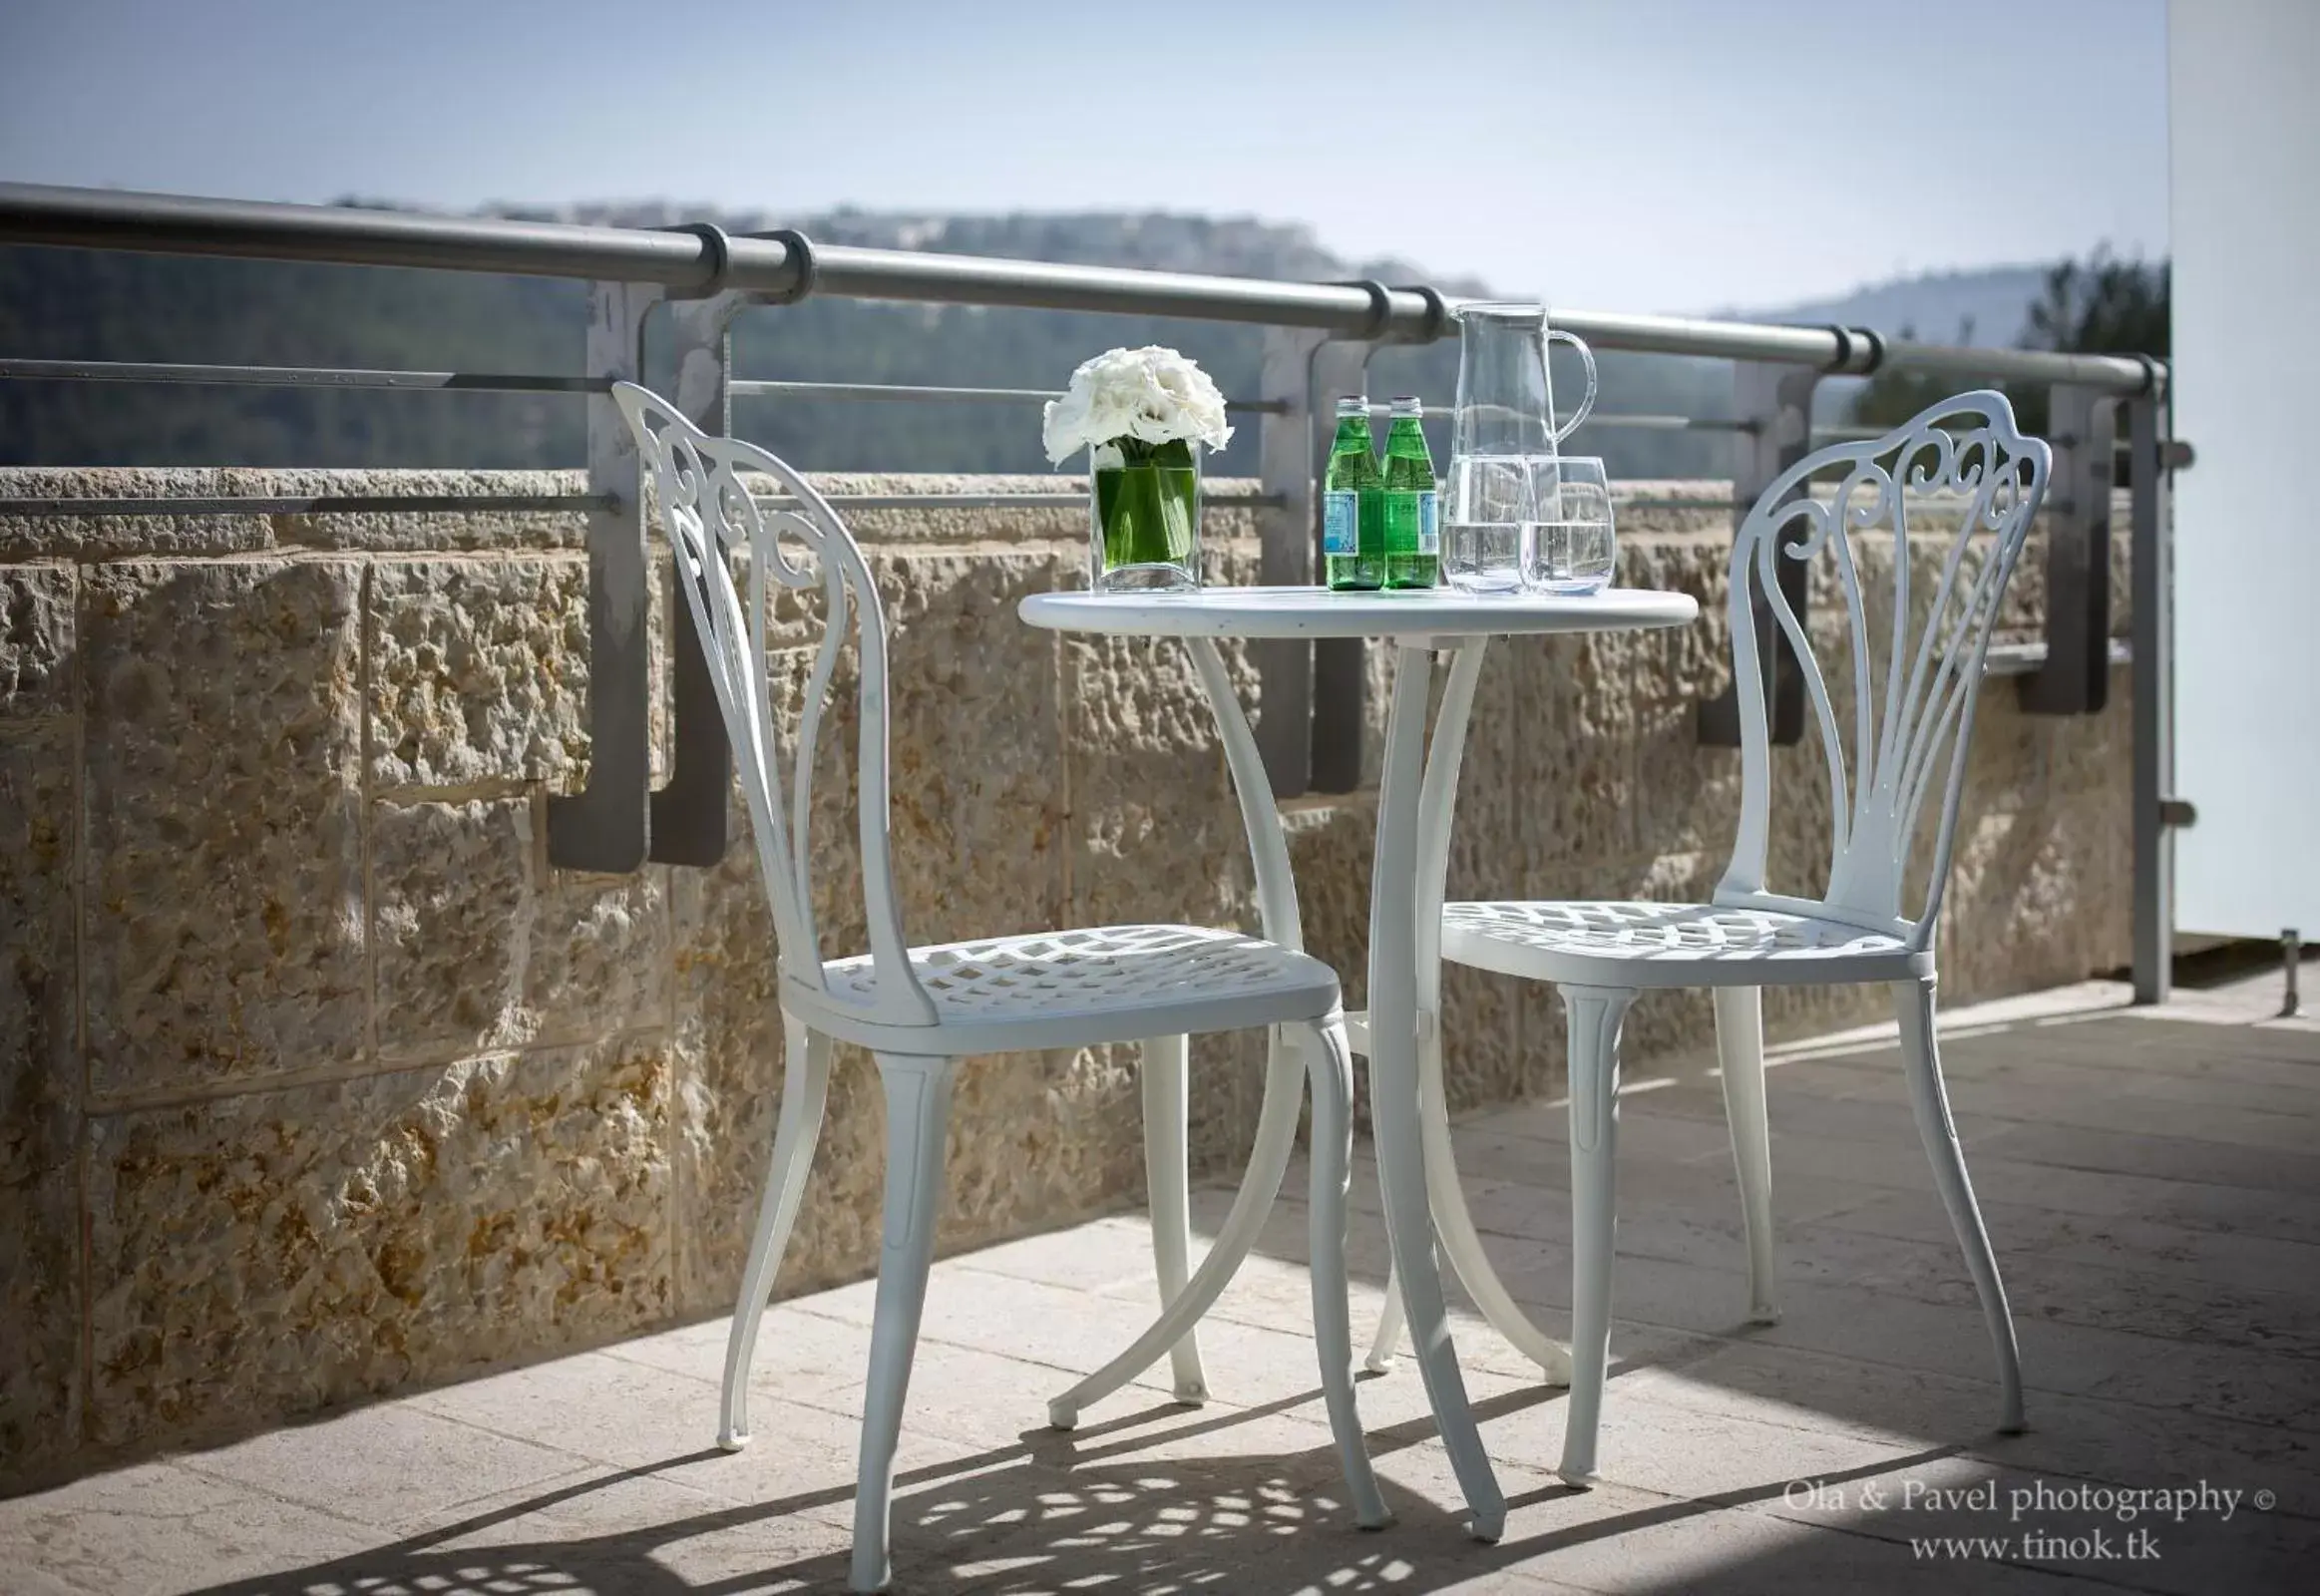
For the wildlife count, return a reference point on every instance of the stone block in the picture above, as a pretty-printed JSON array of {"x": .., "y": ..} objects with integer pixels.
[
  {"x": 2037, "y": 897},
  {"x": 479, "y": 671},
  {"x": 977, "y": 770},
  {"x": 1686, "y": 792},
  {"x": 1331, "y": 841},
  {"x": 480, "y": 944},
  {"x": 1036, "y": 1138},
  {"x": 259, "y": 1255},
  {"x": 1155, "y": 831},
  {"x": 97, "y": 536},
  {"x": 223, "y": 937},
  {"x": 36, "y": 640},
  {"x": 380, "y": 530},
  {"x": 40, "y": 1101},
  {"x": 730, "y": 1060},
  {"x": 1575, "y": 748}
]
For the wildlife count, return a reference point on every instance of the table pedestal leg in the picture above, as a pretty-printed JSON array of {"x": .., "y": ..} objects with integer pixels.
[
  {"x": 1393, "y": 1088},
  {"x": 1437, "y": 805}
]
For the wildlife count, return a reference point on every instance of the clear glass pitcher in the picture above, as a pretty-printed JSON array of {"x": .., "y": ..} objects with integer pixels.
[
  {"x": 1503, "y": 439},
  {"x": 1506, "y": 401}
]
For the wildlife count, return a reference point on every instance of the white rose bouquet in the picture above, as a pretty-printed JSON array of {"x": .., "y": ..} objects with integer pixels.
[
  {"x": 1139, "y": 412},
  {"x": 1146, "y": 396}
]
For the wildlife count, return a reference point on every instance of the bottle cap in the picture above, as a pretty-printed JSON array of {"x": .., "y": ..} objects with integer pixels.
[
  {"x": 1409, "y": 405},
  {"x": 1357, "y": 406}
]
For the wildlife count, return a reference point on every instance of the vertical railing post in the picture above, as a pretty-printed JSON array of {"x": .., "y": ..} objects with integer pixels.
[
  {"x": 1284, "y": 554},
  {"x": 1773, "y": 405},
  {"x": 1341, "y": 673},
  {"x": 2151, "y": 473},
  {"x": 603, "y": 827},
  {"x": 1311, "y": 705},
  {"x": 688, "y": 814},
  {"x": 2075, "y": 677}
]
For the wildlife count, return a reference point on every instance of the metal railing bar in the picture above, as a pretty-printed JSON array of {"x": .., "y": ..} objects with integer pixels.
[
  {"x": 1616, "y": 421},
  {"x": 316, "y": 505},
  {"x": 696, "y": 262},
  {"x": 294, "y": 376},
  {"x": 1638, "y": 420},
  {"x": 1008, "y": 501},
  {"x": 752, "y": 388},
  {"x": 505, "y": 503},
  {"x": 164, "y": 223},
  {"x": 2025, "y": 658}
]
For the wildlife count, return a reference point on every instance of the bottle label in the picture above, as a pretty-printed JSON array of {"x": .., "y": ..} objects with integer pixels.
[
  {"x": 1430, "y": 526},
  {"x": 1341, "y": 523}
]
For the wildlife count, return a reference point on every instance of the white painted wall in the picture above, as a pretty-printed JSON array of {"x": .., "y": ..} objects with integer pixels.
[{"x": 2243, "y": 85}]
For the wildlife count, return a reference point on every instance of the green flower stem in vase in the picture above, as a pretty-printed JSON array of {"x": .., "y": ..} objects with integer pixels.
[{"x": 1146, "y": 525}]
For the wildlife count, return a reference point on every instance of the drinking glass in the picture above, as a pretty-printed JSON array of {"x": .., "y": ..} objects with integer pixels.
[
  {"x": 1493, "y": 502},
  {"x": 1569, "y": 549}
]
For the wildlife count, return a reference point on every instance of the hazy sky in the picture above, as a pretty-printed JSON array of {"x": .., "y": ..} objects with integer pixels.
[{"x": 1660, "y": 155}]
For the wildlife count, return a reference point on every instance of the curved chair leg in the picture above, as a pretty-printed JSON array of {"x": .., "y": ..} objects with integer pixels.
[
  {"x": 917, "y": 1113},
  {"x": 1913, "y": 1007},
  {"x": 1455, "y": 1224},
  {"x": 1595, "y": 1013},
  {"x": 1268, "y": 1163},
  {"x": 1168, "y": 1183},
  {"x": 805, "y": 1087},
  {"x": 1740, "y": 1053},
  {"x": 1331, "y": 1072}
]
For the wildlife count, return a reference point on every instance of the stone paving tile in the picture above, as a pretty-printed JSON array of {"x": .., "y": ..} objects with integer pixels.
[
  {"x": 2095, "y": 1436},
  {"x": 1883, "y": 1325},
  {"x": 2065, "y": 1089},
  {"x": 384, "y": 1466},
  {"x": 158, "y": 1529},
  {"x": 2194, "y": 1551},
  {"x": 2171, "y": 1200},
  {"x": 2216, "y": 1259},
  {"x": 611, "y": 1532}
]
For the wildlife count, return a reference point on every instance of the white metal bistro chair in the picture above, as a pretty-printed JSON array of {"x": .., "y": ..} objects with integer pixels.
[
  {"x": 921, "y": 1009},
  {"x": 1911, "y": 712}
]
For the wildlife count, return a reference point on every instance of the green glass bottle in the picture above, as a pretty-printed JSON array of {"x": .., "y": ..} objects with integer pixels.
[
  {"x": 1413, "y": 536},
  {"x": 1353, "y": 504}
]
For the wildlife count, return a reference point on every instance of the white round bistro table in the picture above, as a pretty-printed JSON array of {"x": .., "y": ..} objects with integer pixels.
[{"x": 1419, "y": 624}]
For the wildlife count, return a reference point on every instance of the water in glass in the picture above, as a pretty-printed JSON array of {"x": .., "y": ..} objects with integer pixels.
[
  {"x": 1492, "y": 500},
  {"x": 1570, "y": 548}
]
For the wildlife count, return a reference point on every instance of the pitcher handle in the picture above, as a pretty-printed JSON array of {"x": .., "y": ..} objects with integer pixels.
[{"x": 1586, "y": 405}]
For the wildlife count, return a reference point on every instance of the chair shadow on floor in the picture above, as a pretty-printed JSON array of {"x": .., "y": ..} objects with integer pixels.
[{"x": 1054, "y": 1511}]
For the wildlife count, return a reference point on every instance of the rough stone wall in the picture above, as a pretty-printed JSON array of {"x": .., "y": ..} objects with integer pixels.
[{"x": 316, "y": 1080}]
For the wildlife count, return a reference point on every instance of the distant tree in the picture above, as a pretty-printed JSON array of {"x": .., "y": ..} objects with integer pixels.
[{"x": 2104, "y": 306}]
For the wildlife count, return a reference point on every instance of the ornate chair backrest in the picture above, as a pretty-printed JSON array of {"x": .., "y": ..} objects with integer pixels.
[
  {"x": 1911, "y": 719},
  {"x": 709, "y": 516}
]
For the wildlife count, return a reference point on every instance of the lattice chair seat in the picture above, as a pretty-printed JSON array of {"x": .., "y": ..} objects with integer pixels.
[
  {"x": 1079, "y": 988},
  {"x": 1669, "y": 944}
]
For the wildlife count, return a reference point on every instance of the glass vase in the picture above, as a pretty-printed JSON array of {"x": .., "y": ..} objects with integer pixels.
[{"x": 1144, "y": 517}]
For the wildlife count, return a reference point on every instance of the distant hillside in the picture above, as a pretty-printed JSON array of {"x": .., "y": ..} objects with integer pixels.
[
  {"x": 63, "y": 303},
  {"x": 1986, "y": 306}
]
